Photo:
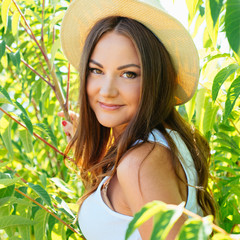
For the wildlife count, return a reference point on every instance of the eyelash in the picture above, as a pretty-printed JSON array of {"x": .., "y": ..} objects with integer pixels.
[
  {"x": 94, "y": 70},
  {"x": 98, "y": 71}
]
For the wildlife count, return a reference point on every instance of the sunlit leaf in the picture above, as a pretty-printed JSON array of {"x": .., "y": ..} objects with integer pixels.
[
  {"x": 55, "y": 47},
  {"x": 15, "y": 58},
  {"x": 5, "y": 94},
  {"x": 6, "y": 135},
  {"x": 42, "y": 193},
  {"x": 41, "y": 218},
  {"x": 8, "y": 182},
  {"x": 232, "y": 24},
  {"x": 26, "y": 139},
  {"x": 47, "y": 130},
  {"x": 211, "y": 26},
  {"x": 148, "y": 211},
  {"x": 164, "y": 221},
  {"x": 2, "y": 48},
  {"x": 215, "y": 8},
  {"x": 27, "y": 122},
  {"x": 14, "y": 220},
  {"x": 15, "y": 21},
  {"x": 19, "y": 106},
  {"x": 4, "y": 13},
  {"x": 232, "y": 96},
  {"x": 194, "y": 229},
  {"x": 221, "y": 77},
  {"x": 192, "y": 7}
]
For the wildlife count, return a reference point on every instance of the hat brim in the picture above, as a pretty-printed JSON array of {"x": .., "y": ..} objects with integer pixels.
[{"x": 83, "y": 14}]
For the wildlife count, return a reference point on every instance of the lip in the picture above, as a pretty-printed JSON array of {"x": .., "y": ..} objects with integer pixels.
[{"x": 110, "y": 107}]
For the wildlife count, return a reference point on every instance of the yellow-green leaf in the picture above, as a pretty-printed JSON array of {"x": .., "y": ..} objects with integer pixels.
[
  {"x": 4, "y": 13},
  {"x": 15, "y": 21},
  {"x": 26, "y": 139}
]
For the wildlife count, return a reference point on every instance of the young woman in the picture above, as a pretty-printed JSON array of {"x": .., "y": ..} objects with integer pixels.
[{"x": 136, "y": 63}]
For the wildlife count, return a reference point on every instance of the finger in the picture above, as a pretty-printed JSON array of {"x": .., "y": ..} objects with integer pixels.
[
  {"x": 60, "y": 114},
  {"x": 67, "y": 127},
  {"x": 69, "y": 137}
]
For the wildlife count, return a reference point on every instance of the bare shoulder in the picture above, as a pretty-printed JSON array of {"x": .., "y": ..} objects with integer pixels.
[{"x": 146, "y": 173}]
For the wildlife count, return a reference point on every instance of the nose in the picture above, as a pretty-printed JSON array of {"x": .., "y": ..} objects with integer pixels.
[{"x": 109, "y": 87}]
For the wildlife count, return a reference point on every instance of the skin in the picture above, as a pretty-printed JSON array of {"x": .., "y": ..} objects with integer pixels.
[
  {"x": 145, "y": 173},
  {"x": 114, "y": 81}
]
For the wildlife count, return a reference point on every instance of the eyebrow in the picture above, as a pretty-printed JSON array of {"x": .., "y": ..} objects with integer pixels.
[{"x": 119, "y": 68}]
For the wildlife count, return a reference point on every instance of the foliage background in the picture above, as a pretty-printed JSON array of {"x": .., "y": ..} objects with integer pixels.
[{"x": 38, "y": 193}]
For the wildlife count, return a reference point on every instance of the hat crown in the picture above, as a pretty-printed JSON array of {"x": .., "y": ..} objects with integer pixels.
[{"x": 153, "y": 3}]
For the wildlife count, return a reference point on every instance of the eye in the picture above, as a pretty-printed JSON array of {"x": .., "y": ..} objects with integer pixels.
[
  {"x": 129, "y": 75},
  {"x": 95, "y": 70}
]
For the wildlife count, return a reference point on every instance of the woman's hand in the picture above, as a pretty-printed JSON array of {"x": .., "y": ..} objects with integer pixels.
[{"x": 69, "y": 127}]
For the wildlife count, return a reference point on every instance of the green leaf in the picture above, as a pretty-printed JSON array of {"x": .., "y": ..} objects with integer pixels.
[
  {"x": 47, "y": 130},
  {"x": 232, "y": 24},
  {"x": 3, "y": 164},
  {"x": 5, "y": 94},
  {"x": 27, "y": 122},
  {"x": 232, "y": 96},
  {"x": 8, "y": 182},
  {"x": 26, "y": 139},
  {"x": 62, "y": 185},
  {"x": 14, "y": 221},
  {"x": 192, "y": 8},
  {"x": 200, "y": 100},
  {"x": 220, "y": 78},
  {"x": 42, "y": 193},
  {"x": 4, "y": 13},
  {"x": 15, "y": 58},
  {"x": 148, "y": 211},
  {"x": 15, "y": 21},
  {"x": 55, "y": 47},
  {"x": 215, "y": 7},
  {"x": 41, "y": 217},
  {"x": 190, "y": 107},
  {"x": 211, "y": 27},
  {"x": 19, "y": 106},
  {"x": 2, "y": 48},
  {"x": 6, "y": 135},
  {"x": 195, "y": 229},
  {"x": 209, "y": 117},
  {"x": 164, "y": 221},
  {"x": 64, "y": 207}
]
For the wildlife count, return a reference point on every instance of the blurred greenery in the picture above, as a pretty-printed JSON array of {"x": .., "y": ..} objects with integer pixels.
[{"x": 38, "y": 190}]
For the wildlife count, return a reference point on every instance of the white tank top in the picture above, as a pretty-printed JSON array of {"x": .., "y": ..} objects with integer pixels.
[{"x": 99, "y": 222}]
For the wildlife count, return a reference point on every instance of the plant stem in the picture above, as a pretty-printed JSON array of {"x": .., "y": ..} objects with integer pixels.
[
  {"x": 41, "y": 206},
  {"x": 32, "y": 69},
  {"x": 194, "y": 215},
  {"x": 37, "y": 136},
  {"x": 68, "y": 87}
]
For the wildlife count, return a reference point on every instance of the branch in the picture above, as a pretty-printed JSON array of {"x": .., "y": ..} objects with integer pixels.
[
  {"x": 37, "y": 136},
  {"x": 68, "y": 86},
  {"x": 43, "y": 6},
  {"x": 32, "y": 34},
  {"x": 194, "y": 215},
  {"x": 41, "y": 206},
  {"x": 31, "y": 68}
]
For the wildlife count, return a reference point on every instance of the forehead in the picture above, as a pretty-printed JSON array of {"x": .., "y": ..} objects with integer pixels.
[{"x": 115, "y": 45}]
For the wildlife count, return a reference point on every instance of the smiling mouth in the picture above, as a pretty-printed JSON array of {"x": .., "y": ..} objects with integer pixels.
[{"x": 107, "y": 106}]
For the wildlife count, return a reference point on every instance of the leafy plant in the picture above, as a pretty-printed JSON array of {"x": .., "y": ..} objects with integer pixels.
[{"x": 38, "y": 191}]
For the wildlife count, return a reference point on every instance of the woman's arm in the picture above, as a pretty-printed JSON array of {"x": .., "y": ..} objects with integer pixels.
[{"x": 146, "y": 174}]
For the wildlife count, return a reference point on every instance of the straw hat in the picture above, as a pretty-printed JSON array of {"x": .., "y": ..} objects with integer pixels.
[{"x": 81, "y": 15}]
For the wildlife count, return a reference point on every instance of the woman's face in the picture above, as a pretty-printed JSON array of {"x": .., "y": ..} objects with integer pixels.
[{"x": 114, "y": 81}]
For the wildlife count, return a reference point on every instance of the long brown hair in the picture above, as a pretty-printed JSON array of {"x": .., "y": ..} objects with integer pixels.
[{"x": 96, "y": 153}]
